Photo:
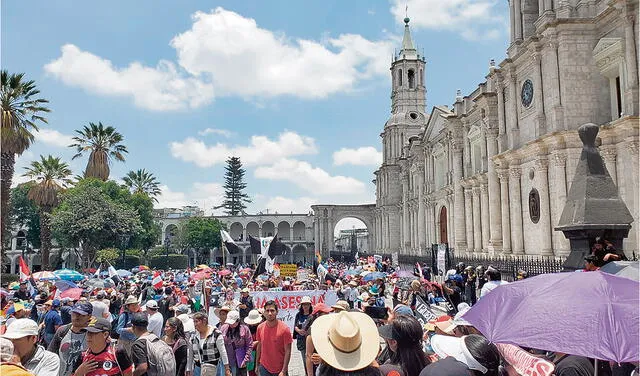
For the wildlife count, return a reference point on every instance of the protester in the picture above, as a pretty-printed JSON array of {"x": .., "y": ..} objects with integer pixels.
[
  {"x": 253, "y": 319},
  {"x": 208, "y": 347},
  {"x": 52, "y": 320},
  {"x": 123, "y": 328},
  {"x": 312, "y": 360},
  {"x": 9, "y": 363},
  {"x": 23, "y": 292},
  {"x": 166, "y": 304},
  {"x": 71, "y": 340},
  {"x": 246, "y": 303},
  {"x": 65, "y": 310},
  {"x": 572, "y": 365},
  {"x": 101, "y": 306},
  {"x": 274, "y": 343},
  {"x": 238, "y": 342},
  {"x": 23, "y": 333},
  {"x": 475, "y": 351},
  {"x": 403, "y": 337},
  {"x": 299, "y": 326},
  {"x": 175, "y": 337},
  {"x": 155, "y": 318},
  {"x": 101, "y": 357},
  {"x": 150, "y": 355},
  {"x": 494, "y": 279}
]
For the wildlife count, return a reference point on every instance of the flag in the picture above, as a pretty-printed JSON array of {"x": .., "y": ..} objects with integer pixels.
[
  {"x": 256, "y": 245},
  {"x": 228, "y": 242},
  {"x": 263, "y": 247},
  {"x": 114, "y": 275},
  {"x": 419, "y": 268},
  {"x": 157, "y": 280},
  {"x": 318, "y": 257},
  {"x": 25, "y": 275},
  {"x": 276, "y": 247},
  {"x": 260, "y": 268},
  {"x": 97, "y": 273}
]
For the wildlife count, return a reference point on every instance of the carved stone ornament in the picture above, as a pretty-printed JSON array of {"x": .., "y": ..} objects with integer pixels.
[{"x": 534, "y": 205}]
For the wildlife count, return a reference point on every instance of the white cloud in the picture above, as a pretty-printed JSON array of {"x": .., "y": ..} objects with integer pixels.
[
  {"x": 162, "y": 88},
  {"x": 204, "y": 195},
  {"x": 348, "y": 223},
  {"x": 472, "y": 19},
  {"x": 363, "y": 156},
  {"x": 18, "y": 179},
  {"x": 284, "y": 205},
  {"x": 245, "y": 60},
  {"x": 53, "y": 137},
  {"x": 312, "y": 179},
  {"x": 260, "y": 151},
  {"x": 220, "y": 132}
]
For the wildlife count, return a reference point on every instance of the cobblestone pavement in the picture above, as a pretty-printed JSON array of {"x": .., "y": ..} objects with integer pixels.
[{"x": 296, "y": 368}]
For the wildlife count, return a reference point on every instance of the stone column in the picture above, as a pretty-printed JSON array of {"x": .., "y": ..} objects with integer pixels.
[
  {"x": 406, "y": 240},
  {"x": 484, "y": 212},
  {"x": 502, "y": 126},
  {"x": 609, "y": 153},
  {"x": 631, "y": 94},
  {"x": 517, "y": 244},
  {"x": 244, "y": 234},
  {"x": 548, "y": 5},
  {"x": 542, "y": 171},
  {"x": 458, "y": 198},
  {"x": 557, "y": 112},
  {"x": 291, "y": 233},
  {"x": 540, "y": 7},
  {"x": 512, "y": 21},
  {"x": 477, "y": 230},
  {"x": 503, "y": 175},
  {"x": 421, "y": 211},
  {"x": 468, "y": 218},
  {"x": 541, "y": 123},
  {"x": 513, "y": 110},
  {"x": 518, "y": 20},
  {"x": 559, "y": 160},
  {"x": 633, "y": 149},
  {"x": 495, "y": 217}
]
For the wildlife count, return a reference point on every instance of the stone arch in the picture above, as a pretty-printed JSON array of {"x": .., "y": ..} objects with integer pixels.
[
  {"x": 170, "y": 231},
  {"x": 331, "y": 214},
  {"x": 253, "y": 229},
  {"x": 235, "y": 230},
  {"x": 21, "y": 239},
  {"x": 411, "y": 78},
  {"x": 299, "y": 253},
  {"x": 268, "y": 229},
  {"x": 298, "y": 231},
  {"x": 284, "y": 230}
]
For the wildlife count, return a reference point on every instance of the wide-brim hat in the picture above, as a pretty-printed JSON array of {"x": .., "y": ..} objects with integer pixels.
[
  {"x": 130, "y": 300},
  {"x": 253, "y": 318},
  {"x": 343, "y": 340},
  {"x": 456, "y": 347}
]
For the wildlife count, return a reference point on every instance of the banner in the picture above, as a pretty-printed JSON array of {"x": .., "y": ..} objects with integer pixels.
[
  {"x": 288, "y": 270},
  {"x": 523, "y": 362},
  {"x": 423, "y": 311},
  {"x": 394, "y": 259},
  {"x": 288, "y": 301},
  {"x": 442, "y": 254}
]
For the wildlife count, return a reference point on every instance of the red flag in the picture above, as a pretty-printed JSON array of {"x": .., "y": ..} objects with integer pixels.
[
  {"x": 419, "y": 269},
  {"x": 157, "y": 280},
  {"x": 25, "y": 273}
]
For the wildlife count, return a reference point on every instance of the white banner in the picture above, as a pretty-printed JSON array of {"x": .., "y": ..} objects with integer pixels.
[
  {"x": 288, "y": 301},
  {"x": 442, "y": 249}
]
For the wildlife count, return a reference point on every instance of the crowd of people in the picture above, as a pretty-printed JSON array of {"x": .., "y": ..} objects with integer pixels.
[{"x": 205, "y": 322}]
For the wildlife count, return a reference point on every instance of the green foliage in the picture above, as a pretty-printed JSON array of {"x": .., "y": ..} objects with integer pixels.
[
  {"x": 129, "y": 262},
  {"x": 107, "y": 255},
  {"x": 9, "y": 278},
  {"x": 172, "y": 261},
  {"x": 156, "y": 251},
  {"x": 151, "y": 230},
  {"x": 134, "y": 252},
  {"x": 24, "y": 213},
  {"x": 202, "y": 233},
  {"x": 142, "y": 182},
  {"x": 234, "y": 185},
  {"x": 104, "y": 144}
]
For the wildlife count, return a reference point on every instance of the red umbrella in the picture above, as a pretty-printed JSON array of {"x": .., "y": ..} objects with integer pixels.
[
  {"x": 224, "y": 272},
  {"x": 200, "y": 275},
  {"x": 73, "y": 293}
]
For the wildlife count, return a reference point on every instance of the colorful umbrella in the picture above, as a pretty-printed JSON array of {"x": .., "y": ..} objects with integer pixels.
[
  {"x": 143, "y": 267},
  {"x": 45, "y": 276},
  {"x": 200, "y": 275},
  {"x": 63, "y": 285},
  {"x": 373, "y": 276},
  {"x": 69, "y": 275},
  {"x": 627, "y": 269},
  {"x": 123, "y": 273},
  {"x": 73, "y": 293},
  {"x": 100, "y": 283},
  {"x": 224, "y": 272},
  {"x": 591, "y": 314}
]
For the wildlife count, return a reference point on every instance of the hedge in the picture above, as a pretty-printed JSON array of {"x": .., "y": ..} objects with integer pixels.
[
  {"x": 171, "y": 261},
  {"x": 8, "y": 278},
  {"x": 130, "y": 262}
]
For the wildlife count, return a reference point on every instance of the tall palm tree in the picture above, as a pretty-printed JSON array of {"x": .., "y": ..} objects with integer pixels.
[
  {"x": 51, "y": 176},
  {"x": 104, "y": 144},
  {"x": 21, "y": 110},
  {"x": 143, "y": 182}
]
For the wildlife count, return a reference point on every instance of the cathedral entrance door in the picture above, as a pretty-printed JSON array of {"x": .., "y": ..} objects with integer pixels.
[{"x": 443, "y": 225}]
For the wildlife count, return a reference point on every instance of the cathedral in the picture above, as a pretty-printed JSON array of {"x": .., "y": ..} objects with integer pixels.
[{"x": 491, "y": 172}]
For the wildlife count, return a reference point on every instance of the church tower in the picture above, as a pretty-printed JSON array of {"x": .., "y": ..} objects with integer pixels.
[{"x": 408, "y": 102}]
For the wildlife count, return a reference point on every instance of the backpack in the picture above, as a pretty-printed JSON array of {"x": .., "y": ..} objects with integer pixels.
[
  {"x": 114, "y": 325},
  {"x": 160, "y": 356}
]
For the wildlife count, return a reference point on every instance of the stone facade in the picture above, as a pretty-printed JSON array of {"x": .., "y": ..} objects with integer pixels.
[{"x": 491, "y": 173}]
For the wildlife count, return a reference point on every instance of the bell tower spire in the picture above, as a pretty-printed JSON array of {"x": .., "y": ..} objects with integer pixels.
[
  {"x": 407, "y": 44},
  {"x": 407, "y": 77}
]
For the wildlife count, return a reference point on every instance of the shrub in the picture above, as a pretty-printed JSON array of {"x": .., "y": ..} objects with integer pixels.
[
  {"x": 172, "y": 261},
  {"x": 129, "y": 262}
]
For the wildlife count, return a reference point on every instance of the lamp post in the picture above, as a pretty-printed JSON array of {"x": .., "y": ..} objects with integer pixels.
[{"x": 124, "y": 242}]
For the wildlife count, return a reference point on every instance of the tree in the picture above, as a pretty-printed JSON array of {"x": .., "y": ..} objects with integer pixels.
[
  {"x": 234, "y": 185},
  {"x": 89, "y": 217},
  {"x": 24, "y": 213},
  {"x": 51, "y": 176},
  {"x": 21, "y": 111},
  {"x": 202, "y": 234},
  {"x": 104, "y": 144},
  {"x": 143, "y": 182},
  {"x": 107, "y": 255}
]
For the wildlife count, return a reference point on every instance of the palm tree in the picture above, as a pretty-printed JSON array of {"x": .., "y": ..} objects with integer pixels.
[
  {"x": 21, "y": 110},
  {"x": 51, "y": 176},
  {"x": 104, "y": 144},
  {"x": 143, "y": 182}
]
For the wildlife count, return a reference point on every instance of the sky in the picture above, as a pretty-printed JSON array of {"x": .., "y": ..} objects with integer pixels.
[{"x": 299, "y": 90}]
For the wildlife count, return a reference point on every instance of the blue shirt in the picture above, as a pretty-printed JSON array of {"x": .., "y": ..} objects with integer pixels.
[
  {"x": 65, "y": 314},
  {"x": 51, "y": 320}
]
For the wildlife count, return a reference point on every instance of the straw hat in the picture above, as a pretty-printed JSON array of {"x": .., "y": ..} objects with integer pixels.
[
  {"x": 253, "y": 318},
  {"x": 340, "y": 341}
]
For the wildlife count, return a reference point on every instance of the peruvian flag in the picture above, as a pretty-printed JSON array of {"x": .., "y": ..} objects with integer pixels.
[
  {"x": 25, "y": 275},
  {"x": 157, "y": 280}
]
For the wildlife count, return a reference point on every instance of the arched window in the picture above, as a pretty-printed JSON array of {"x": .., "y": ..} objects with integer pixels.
[
  {"x": 411, "y": 78},
  {"x": 399, "y": 77}
]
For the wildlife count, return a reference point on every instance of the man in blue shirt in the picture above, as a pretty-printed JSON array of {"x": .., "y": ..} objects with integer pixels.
[{"x": 52, "y": 320}]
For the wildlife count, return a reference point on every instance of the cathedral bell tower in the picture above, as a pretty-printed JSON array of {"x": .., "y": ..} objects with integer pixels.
[{"x": 408, "y": 102}]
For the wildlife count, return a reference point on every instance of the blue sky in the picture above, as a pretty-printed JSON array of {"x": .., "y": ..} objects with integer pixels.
[{"x": 298, "y": 89}]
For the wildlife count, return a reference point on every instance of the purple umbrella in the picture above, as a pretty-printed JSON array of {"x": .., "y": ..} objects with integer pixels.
[{"x": 591, "y": 314}]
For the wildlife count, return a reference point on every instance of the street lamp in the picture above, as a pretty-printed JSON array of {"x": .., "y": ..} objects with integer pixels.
[{"x": 124, "y": 242}]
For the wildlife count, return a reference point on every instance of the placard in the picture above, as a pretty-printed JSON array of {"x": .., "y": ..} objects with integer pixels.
[
  {"x": 523, "y": 362},
  {"x": 442, "y": 265},
  {"x": 288, "y": 270},
  {"x": 423, "y": 311},
  {"x": 302, "y": 275}
]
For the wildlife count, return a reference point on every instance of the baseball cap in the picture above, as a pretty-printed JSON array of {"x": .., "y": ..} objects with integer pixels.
[
  {"x": 139, "y": 319},
  {"x": 232, "y": 317},
  {"x": 152, "y": 304},
  {"x": 182, "y": 308},
  {"x": 21, "y": 328},
  {"x": 321, "y": 307},
  {"x": 82, "y": 308},
  {"x": 402, "y": 309},
  {"x": 97, "y": 325},
  {"x": 387, "y": 331}
]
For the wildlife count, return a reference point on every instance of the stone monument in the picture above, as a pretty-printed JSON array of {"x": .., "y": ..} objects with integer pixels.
[{"x": 594, "y": 207}]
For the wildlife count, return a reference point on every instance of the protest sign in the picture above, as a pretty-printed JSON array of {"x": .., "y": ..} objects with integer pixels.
[
  {"x": 288, "y": 301},
  {"x": 394, "y": 259},
  {"x": 302, "y": 275},
  {"x": 524, "y": 362},
  {"x": 288, "y": 270},
  {"x": 442, "y": 252},
  {"x": 423, "y": 311}
]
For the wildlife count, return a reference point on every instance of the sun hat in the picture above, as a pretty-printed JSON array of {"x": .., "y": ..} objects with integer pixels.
[
  {"x": 245, "y": 290},
  {"x": 353, "y": 283},
  {"x": 20, "y": 328},
  {"x": 232, "y": 317},
  {"x": 97, "y": 325},
  {"x": 130, "y": 300},
  {"x": 415, "y": 284},
  {"x": 305, "y": 300},
  {"x": 341, "y": 305},
  {"x": 152, "y": 304},
  {"x": 82, "y": 308},
  {"x": 182, "y": 308},
  {"x": 253, "y": 318},
  {"x": 321, "y": 307},
  {"x": 456, "y": 347},
  {"x": 6, "y": 350},
  {"x": 223, "y": 308},
  {"x": 339, "y": 339}
]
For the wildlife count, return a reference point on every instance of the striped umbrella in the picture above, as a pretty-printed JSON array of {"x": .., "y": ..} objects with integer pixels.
[
  {"x": 45, "y": 276},
  {"x": 69, "y": 275}
]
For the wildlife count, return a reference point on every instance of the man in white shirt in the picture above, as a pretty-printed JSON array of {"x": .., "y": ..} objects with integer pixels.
[
  {"x": 101, "y": 306},
  {"x": 494, "y": 280},
  {"x": 155, "y": 318}
]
